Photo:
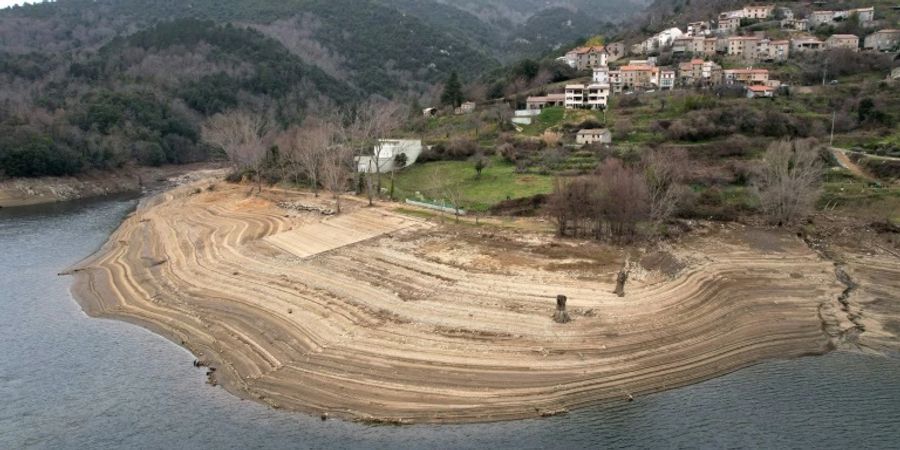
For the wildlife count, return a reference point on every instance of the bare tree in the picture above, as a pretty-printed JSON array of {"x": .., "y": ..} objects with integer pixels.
[
  {"x": 243, "y": 136},
  {"x": 309, "y": 143},
  {"x": 664, "y": 172},
  {"x": 610, "y": 203},
  {"x": 790, "y": 182},
  {"x": 373, "y": 121},
  {"x": 336, "y": 171}
]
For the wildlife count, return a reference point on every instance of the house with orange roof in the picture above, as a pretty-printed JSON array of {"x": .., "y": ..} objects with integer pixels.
[
  {"x": 746, "y": 77},
  {"x": 760, "y": 91},
  {"x": 639, "y": 77}
]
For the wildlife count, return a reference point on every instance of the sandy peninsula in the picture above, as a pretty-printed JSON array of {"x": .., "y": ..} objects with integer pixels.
[{"x": 380, "y": 315}]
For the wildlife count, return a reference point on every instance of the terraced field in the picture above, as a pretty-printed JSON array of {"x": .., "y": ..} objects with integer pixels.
[{"x": 373, "y": 316}]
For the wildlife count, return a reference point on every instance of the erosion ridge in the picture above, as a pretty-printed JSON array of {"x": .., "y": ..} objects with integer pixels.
[{"x": 426, "y": 324}]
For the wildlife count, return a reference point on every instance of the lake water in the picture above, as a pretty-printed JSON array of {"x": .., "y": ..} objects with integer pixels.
[{"x": 68, "y": 381}]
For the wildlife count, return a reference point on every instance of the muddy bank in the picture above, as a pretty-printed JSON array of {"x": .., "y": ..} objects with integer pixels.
[
  {"x": 377, "y": 317},
  {"x": 36, "y": 191}
]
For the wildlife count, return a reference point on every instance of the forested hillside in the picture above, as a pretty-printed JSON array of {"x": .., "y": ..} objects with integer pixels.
[
  {"x": 101, "y": 83},
  {"x": 98, "y": 84}
]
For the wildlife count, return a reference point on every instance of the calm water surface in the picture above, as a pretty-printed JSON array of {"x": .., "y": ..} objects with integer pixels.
[{"x": 67, "y": 381}]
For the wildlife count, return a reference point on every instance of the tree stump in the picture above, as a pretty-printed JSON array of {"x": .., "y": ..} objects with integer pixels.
[
  {"x": 620, "y": 283},
  {"x": 561, "y": 316}
]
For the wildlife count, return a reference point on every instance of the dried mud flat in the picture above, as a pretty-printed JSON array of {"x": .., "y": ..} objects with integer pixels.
[{"x": 410, "y": 321}]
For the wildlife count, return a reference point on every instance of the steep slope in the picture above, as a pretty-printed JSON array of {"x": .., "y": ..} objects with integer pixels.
[
  {"x": 381, "y": 51},
  {"x": 87, "y": 84}
]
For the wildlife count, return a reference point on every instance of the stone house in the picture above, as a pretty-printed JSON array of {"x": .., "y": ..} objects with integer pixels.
[
  {"x": 883, "y": 40},
  {"x": 848, "y": 41},
  {"x": 583, "y": 58},
  {"x": 729, "y": 25},
  {"x": 592, "y": 136},
  {"x": 806, "y": 43}
]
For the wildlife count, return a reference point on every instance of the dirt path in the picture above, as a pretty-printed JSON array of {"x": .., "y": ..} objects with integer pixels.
[
  {"x": 845, "y": 162},
  {"x": 433, "y": 323}
]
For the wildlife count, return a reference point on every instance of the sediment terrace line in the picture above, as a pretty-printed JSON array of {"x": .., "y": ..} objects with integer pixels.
[
  {"x": 341, "y": 231},
  {"x": 393, "y": 329}
]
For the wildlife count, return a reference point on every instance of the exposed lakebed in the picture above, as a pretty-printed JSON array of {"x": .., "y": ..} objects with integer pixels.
[{"x": 68, "y": 381}]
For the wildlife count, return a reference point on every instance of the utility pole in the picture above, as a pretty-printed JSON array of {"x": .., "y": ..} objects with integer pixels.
[
  {"x": 824, "y": 72},
  {"x": 833, "y": 116}
]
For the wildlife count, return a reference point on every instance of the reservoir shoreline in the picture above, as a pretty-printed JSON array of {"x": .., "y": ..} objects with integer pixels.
[{"x": 273, "y": 327}]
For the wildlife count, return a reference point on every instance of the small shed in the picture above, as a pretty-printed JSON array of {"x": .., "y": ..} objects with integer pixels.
[
  {"x": 760, "y": 91},
  {"x": 593, "y": 136}
]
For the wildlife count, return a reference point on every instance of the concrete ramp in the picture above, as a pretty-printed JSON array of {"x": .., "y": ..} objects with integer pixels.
[{"x": 340, "y": 231}]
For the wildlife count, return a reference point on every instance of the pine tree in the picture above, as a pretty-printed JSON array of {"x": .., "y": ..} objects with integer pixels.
[{"x": 452, "y": 95}]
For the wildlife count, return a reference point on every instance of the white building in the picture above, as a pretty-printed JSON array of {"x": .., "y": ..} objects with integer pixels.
[
  {"x": 666, "y": 79},
  {"x": 601, "y": 75},
  {"x": 660, "y": 40},
  {"x": 598, "y": 135},
  {"x": 385, "y": 153},
  {"x": 592, "y": 96}
]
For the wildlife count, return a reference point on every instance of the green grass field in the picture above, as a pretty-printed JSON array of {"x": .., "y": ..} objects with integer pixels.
[{"x": 497, "y": 183}]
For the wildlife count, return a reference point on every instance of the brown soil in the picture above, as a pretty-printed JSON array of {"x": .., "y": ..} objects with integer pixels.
[{"x": 452, "y": 323}]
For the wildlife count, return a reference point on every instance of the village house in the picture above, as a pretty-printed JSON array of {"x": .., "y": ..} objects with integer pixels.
[
  {"x": 659, "y": 41},
  {"x": 749, "y": 12},
  {"x": 638, "y": 77},
  {"x": 728, "y": 25},
  {"x": 883, "y": 40},
  {"x": 593, "y": 136},
  {"x": 795, "y": 24},
  {"x": 698, "y": 72},
  {"x": 583, "y": 58},
  {"x": 698, "y": 29},
  {"x": 385, "y": 153},
  {"x": 746, "y": 77},
  {"x": 779, "y": 51},
  {"x": 847, "y": 41},
  {"x": 865, "y": 16},
  {"x": 758, "y": 11},
  {"x": 806, "y": 43},
  {"x": 666, "y": 79},
  {"x": 615, "y": 80},
  {"x": 429, "y": 112},
  {"x": 760, "y": 92},
  {"x": 743, "y": 46},
  {"x": 592, "y": 96},
  {"x": 538, "y": 103},
  {"x": 698, "y": 45}
]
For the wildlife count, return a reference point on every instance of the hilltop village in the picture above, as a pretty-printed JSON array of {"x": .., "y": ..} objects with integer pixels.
[{"x": 739, "y": 40}]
